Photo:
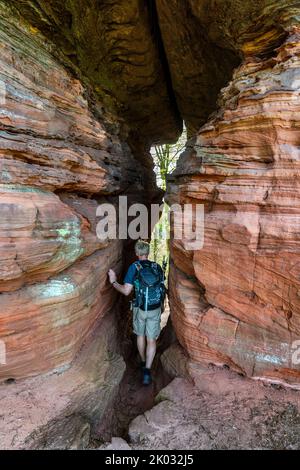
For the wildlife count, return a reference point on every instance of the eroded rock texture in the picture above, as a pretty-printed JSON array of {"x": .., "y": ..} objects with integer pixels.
[
  {"x": 60, "y": 156},
  {"x": 62, "y": 410},
  {"x": 236, "y": 301},
  {"x": 112, "y": 45},
  {"x": 57, "y": 162}
]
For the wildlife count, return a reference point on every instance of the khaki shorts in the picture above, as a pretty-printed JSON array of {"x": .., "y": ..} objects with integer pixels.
[{"x": 146, "y": 323}]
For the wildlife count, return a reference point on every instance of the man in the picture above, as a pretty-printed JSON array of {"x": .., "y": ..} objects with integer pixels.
[{"x": 148, "y": 280}]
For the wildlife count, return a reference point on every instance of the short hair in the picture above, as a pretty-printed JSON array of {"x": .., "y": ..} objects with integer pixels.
[{"x": 142, "y": 248}]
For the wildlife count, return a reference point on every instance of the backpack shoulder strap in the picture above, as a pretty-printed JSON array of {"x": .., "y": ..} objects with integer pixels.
[
  {"x": 154, "y": 265},
  {"x": 138, "y": 265}
]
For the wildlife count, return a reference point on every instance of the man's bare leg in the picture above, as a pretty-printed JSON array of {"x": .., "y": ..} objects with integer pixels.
[
  {"x": 141, "y": 345},
  {"x": 150, "y": 352}
]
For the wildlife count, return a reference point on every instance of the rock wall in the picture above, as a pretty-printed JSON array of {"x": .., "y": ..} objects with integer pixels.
[
  {"x": 61, "y": 154},
  {"x": 236, "y": 301},
  {"x": 57, "y": 163},
  {"x": 62, "y": 410},
  {"x": 112, "y": 46}
]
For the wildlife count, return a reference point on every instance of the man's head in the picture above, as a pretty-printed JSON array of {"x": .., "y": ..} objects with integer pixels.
[{"x": 142, "y": 249}]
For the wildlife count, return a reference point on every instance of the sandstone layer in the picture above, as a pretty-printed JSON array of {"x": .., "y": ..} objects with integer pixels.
[
  {"x": 236, "y": 300},
  {"x": 61, "y": 155},
  {"x": 154, "y": 62},
  {"x": 113, "y": 47},
  {"x": 58, "y": 161},
  {"x": 62, "y": 410}
]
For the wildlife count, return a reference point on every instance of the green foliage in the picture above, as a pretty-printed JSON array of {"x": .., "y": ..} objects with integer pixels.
[{"x": 165, "y": 158}]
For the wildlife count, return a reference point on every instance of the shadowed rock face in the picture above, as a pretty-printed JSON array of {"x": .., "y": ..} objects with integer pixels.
[
  {"x": 52, "y": 263},
  {"x": 113, "y": 46},
  {"x": 142, "y": 59}
]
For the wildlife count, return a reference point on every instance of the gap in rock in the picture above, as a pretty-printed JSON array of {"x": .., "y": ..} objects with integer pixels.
[
  {"x": 134, "y": 398},
  {"x": 165, "y": 157}
]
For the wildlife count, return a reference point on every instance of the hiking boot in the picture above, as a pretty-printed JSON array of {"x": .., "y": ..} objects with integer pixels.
[{"x": 147, "y": 379}]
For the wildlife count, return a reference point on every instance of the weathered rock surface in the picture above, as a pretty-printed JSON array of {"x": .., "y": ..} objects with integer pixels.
[
  {"x": 117, "y": 443},
  {"x": 40, "y": 236},
  {"x": 154, "y": 61},
  {"x": 175, "y": 361},
  {"x": 223, "y": 411},
  {"x": 53, "y": 270},
  {"x": 195, "y": 62},
  {"x": 44, "y": 325},
  {"x": 60, "y": 410},
  {"x": 112, "y": 45},
  {"x": 49, "y": 136},
  {"x": 60, "y": 156},
  {"x": 236, "y": 301}
]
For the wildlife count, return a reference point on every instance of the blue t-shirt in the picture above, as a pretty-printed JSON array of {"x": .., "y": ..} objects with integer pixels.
[{"x": 131, "y": 273}]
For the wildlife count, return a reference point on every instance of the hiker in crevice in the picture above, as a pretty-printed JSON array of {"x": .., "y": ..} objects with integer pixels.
[{"x": 147, "y": 279}]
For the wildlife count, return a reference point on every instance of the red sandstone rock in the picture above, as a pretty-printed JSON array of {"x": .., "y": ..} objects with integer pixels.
[
  {"x": 44, "y": 325},
  {"x": 40, "y": 236},
  {"x": 242, "y": 308},
  {"x": 49, "y": 136},
  {"x": 236, "y": 301},
  {"x": 61, "y": 410},
  {"x": 53, "y": 269}
]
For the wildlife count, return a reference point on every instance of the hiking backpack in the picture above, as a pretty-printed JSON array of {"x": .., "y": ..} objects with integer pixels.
[{"x": 149, "y": 286}]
